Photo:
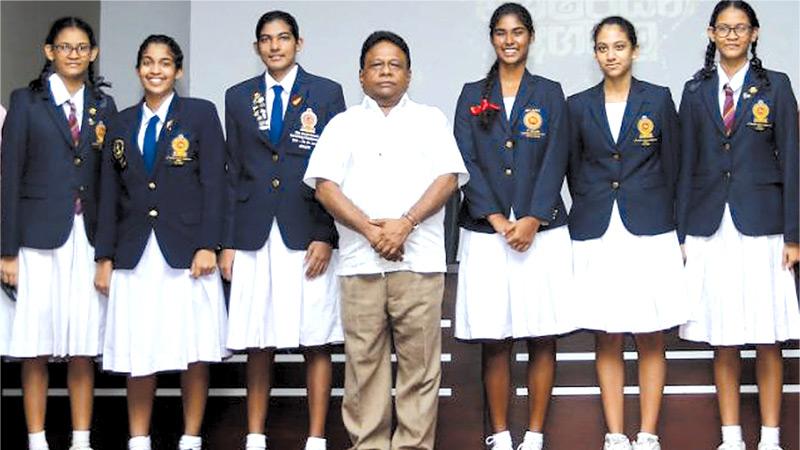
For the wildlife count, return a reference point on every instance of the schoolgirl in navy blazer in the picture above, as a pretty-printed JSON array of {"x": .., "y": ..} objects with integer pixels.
[
  {"x": 509, "y": 167},
  {"x": 266, "y": 178},
  {"x": 52, "y": 142},
  {"x": 639, "y": 172},
  {"x": 181, "y": 200},
  {"x": 738, "y": 214}
]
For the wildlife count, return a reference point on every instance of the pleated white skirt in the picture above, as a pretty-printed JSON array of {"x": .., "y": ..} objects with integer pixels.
[
  {"x": 7, "y": 308},
  {"x": 503, "y": 293},
  {"x": 274, "y": 305},
  {"x": 58, "y": 311},
  {"x": 629, "y": 283},
  {"x": 744, "y": 295},
  {"x": 161, "y": 319}
]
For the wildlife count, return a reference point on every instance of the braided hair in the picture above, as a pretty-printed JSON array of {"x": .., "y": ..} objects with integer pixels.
[
  {"x": 487, "y": 116},
  {"x": 96, "y": 82},
  {"x": 756, "y": 65}
]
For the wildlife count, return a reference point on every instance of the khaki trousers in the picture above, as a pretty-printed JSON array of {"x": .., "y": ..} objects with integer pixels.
[{"x": 404, "y": 307}]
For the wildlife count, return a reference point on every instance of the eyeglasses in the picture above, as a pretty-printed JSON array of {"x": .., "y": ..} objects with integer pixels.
[
  {"x": 723, "y": 30},
  {"x": 67, "y": 49}
]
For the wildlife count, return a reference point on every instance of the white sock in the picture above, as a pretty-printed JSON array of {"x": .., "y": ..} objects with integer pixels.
[
  {"x": 771, "y": 435},
  {"x": 139, "y": 443},
  {"x": 616, "y": 437},
  {"x": 731, "y": 433},
  {"x": 533, "y": 436},
  {"x": 80, "y": 439},
  {"x": 644, "y": 437},
  {"x": 256, "y": 441},
  {"x": 37, "y": 441},
  {"x": 190, "y": 442},
  {"x": 315, "y": 443},
  {"x": 502, "y": 439}
]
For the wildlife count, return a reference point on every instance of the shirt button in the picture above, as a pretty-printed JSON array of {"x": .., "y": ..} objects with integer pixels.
[
  {"x": 726, "y": 146},
  {"x": 509, "y": 144},
  {"x": 726, "y": 175},
  {"x": 615, "y": 185},
  {"x": 275, "y": 183},
  {"x": 151, "y": 185},
  {"x": 508, "y": 171},
  {"x": 274, "y": 157},
  {"x": 77, "y": 161},
  {"x": 153, "y": 213},
  {"x": 616, "y": 156}
]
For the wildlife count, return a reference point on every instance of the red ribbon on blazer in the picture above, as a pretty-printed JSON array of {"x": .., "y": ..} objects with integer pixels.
[{"x": 476, "y": 110}]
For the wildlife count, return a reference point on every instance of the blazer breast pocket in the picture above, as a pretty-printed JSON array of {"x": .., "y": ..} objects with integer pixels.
[
  {"x": 534, "y": 123},
  {"x": 648, "y": 130},
  {"x": 182, "y": 150}
]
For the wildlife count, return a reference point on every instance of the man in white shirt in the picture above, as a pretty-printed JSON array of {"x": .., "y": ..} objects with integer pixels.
[{"x": 384, "y": 170}]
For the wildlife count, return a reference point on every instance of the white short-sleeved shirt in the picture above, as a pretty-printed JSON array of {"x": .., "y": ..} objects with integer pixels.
[{"x": 384, "y": 164}]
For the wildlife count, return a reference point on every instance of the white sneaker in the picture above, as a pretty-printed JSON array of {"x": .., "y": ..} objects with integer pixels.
[
  {"x": 530, "y": 445},
  {"x": 495, "y": 444},
  {"x": 646, "y": 442},
  {"x": 616, "y": 442},
  {"x": 768, "y": 446},
  {"x": 255, "y": 441},
  {"x": 732, "y": 446},
  {"x": 313, "y": 443}
]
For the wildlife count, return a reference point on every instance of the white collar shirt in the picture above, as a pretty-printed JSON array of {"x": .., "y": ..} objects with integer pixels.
[
  {"x": 735, "y": 82},
  {"x": 147, "y": 114},
  {"x": 384, "y": 164},
  {"x": 61, "y": 96},
  {"x": 287, "y": 83}
]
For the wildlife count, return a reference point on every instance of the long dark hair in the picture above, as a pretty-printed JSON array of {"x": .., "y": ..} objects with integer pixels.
[
  {"x": 96, "y": 82},
  {"x": 756, "y": 66},
  {"x": 487, "y": 116}
]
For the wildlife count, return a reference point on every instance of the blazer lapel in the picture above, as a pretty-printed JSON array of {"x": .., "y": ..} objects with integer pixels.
[
  {"x": 711, "y": 99},
  {"x": 259, "y": 89},
  {"x": 133, "y": 152},
  {"x": 299, "y": 95},
  {"x": 597, "y": 107},
  {"x": 524, "y": 94},
  {"x": 632, "y": 109},
  {"x": 745, "y": 101},
  {"x": 496, "y": 97},
  {"x": 89, "y": 120},
  {"x": 167, "y": 130},
  {"x": 58, "y": 117}
]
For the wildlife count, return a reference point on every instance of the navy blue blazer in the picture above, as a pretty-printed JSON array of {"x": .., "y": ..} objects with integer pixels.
[
  {"x": 639, "y": 171},
  {"x": 42, "y": 172},
  {"x": 754, "y": 170},
  {"x": 518, "y": 163},
  {"x": 182, "y": 200},
  {"x": 265, "y": 180}
]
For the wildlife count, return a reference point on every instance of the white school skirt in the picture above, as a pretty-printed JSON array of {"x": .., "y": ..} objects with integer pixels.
[
  {"x": 161, "y": 319},
  {"x": 274, "y": 305},
  {"x": 7, "y": 308},
  {"x": 503, "y": 293},
  {"x": 629, "y": 283},
  {"x": 58, "y": 311},
  {"x": 743, "y": 293}
]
